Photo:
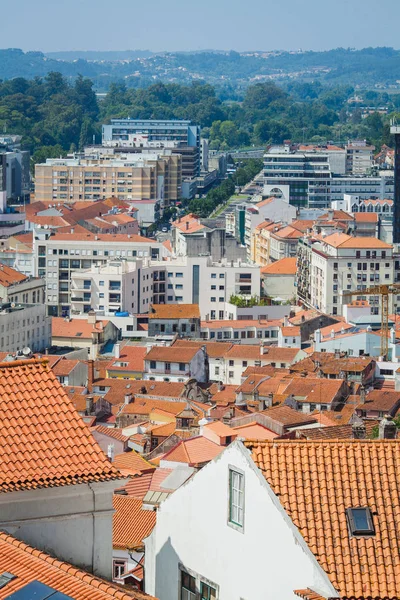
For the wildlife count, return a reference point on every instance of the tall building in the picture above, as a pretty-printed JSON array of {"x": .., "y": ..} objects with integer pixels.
[
  {"x": 183, "y": 136},
  {"x": 152, "y": 176},
  {"x": 359, "y": 157},
  {"x": 395, "y": 130}
]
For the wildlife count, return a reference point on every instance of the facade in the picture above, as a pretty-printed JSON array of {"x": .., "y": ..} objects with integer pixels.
[
  {"x": 57, "y": 256},
  {"x": 176, "y": 364},
  {"x": 155, "y": 176},
  {"x": 15, "y": 175},
  {"x": 173, "y": 319},
  {"x": 359, "y": 157},
  {"x": 19, "y": 288},
  {"x": 88, "y": 333},
  {"x": 183, "y": 134},
  {"x": 381, "y": 186},
  {"x": 395, "y": 130},
  {"x": 278, "y": 279},
  {"x": 328, "y": 267},
  {"x": 24, "y": 326}
]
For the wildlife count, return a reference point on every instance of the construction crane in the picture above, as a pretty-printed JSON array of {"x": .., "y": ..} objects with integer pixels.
[{"x": 384, "y": 291}]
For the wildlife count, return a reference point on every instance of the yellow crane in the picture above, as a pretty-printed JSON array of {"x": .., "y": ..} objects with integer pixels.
[{"x": 384, "y": 291}]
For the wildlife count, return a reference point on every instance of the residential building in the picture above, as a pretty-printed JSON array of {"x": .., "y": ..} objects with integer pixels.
[
  {"x": 169, "y": 363},
  {"x": 118, "y": 286},
  {"x": 364, "y": 186},
  {"x": 24, "y": 326},
  {"x": 200, "y": 280},
  {"x": 19, "y": 288},
  {"x": 359, "y": 157},
  {"x": 15, "y": 168},
  {"x": 11, "y": 221},
  {"x": 250, "y": 331},
  {"x": 249, "y": 503},
  {"x": 239, "y": 357},
  {"x": 278, "y": 279},
  {"x": 155, "y": 176},
  {"x": 128, "y": 362},
  {"x": 192, "y": 237},
  {"x": 174, "y": 319},
  {"x": 56, "y": 496},
  {"x": 87, "y": 332},
  {"x": 184, "y": 134},
  {"x": 59, "y": 254},
  {"x": 329, "y": 266}
]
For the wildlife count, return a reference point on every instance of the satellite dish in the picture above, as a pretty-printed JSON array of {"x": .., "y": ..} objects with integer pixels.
[
  {"x": 26, "y": 351},
  {"x": 46, "y": 226},
  {"x": 12, "y": 304}
]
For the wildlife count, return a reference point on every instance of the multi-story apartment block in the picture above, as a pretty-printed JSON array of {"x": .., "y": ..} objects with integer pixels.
[
  {"x": 118, "y": 286},
  {"x": 24, "y": 326},
  {"x": 15, "y": 175},
  {"x": 199, "y": 280},
  {"x": 155, "y": 176},
  {"x": 327, "y": 267},
  {"x": 359, "y": 157},
  {"x": 58, "y": 255},
  {"x": 379, "y": 186},
  {"x": 183, "y": 135},
  {"x": 19, "y": 288}
]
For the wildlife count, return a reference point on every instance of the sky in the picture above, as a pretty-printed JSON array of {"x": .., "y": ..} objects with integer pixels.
[{"x": 51, "y": 25}]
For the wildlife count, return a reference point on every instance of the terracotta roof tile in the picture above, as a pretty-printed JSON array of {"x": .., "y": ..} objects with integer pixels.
[
  {"x": 10, "y": 276},
  {"x": 195, "y": 451},
  {"x": 131, "y": 523},
  {"x": 316, "y": 481},
  {"x": 174, "y": 311},
  {"x": 74, "y": 328},
  {"x": 214, "y": 349},
  {"x": 29, "y": 564},
  {"x": 133, "y": 356},
  {"x": 288, "y": 417},
  {"x": 142, "y": 406},
  {"x": 29, "y": 394},
  {"x": 172, "y": 354},
  {"x": 139, "y": 486},
  {"x": 132, "y": 462}
]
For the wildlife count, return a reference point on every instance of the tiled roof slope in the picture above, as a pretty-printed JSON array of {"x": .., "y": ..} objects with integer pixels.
[
  {"x": 316, "y": 481},
  {"x": 131, "y": 524},
  {"x": 29, "y": 564},
  {"x": 43, "y": 440}
]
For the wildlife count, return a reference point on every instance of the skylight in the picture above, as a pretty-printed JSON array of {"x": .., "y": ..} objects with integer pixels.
[
  {"x": 6, "y": 578},
  {"x": 360, "y": 521}
]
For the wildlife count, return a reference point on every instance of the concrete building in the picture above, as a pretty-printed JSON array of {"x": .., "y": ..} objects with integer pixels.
[
  {"x": 359, "y": 157},
  {"x": 118, "y": 286},
  {"x": 15, "y": 176},
  {"x": 156, "y": 176},
  {"x": 58, "y": 255},
  {"x": 278, "y": 279},
  {"x": 174, "y": 319},
  {"x": 374, "y": 187},
  {"x": 89, "y": 333},
  {"x": 24, "y": 326},
  {"x": 200, "y": 280},
  {"x": 19, "y": 288},
  {"x": 180, "y": 136},
  {"x": 327, "y": 267}
]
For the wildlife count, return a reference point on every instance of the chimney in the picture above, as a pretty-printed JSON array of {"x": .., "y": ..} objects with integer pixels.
[
  {"x": 220, "y": 386},
  {"x": 89, "y": 405},
  {"x": 203, "y": 422},
  {"x": 100, "y": 325},
  {"x": 90, "y": 364},
  {"x": 317, "y": 336},
  {"x": 110, "y": 452},
  {"x": 358, "y": 431},
  {"x": 286, "y": 321},
  {"x": 387, "y": 428},
  {"x": 392, "y": 336},
  {"x": 362, "y": 394},
  {"x": 187, "y": 225},
  {"x": 117, "y": 350},
  {"x": 91, "y": 319},
  {"x": 333, "y": 334},
  {"x": 72, "y": 230},
  {"x": 128, "y": 397},
  {"x": 240, "y": 399}
]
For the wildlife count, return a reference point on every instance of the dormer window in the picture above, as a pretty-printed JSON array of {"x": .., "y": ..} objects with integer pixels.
[{"x": 360, "y": 521}]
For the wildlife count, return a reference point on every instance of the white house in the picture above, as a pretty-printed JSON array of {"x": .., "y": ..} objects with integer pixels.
[
  {"x": 268, "y": 520},
  {"x": 170, "y": 363}
]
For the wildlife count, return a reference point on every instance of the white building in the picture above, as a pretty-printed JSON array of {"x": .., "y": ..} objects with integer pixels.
[
  {"x": 114, "y": 287},
  {"x": 359, "y": 157},
  {"x": 60, "y": 254},
  {"x": 246, "y": 511},
  {"x": 24, "y": 326},
  {"x": 169, "y": 363},
  {"x": 329, "y": 266}
]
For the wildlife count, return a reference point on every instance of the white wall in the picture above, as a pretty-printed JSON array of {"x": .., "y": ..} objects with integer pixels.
[
  {"x": 279, "y": 286},
  {"x": 268, "y": 559}
]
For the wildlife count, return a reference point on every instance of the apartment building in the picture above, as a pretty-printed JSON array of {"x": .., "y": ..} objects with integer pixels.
[
  {"x": 169, "y": 320},
  {"x": 19, "y": 288},
  {"x": 177, "y": 364},
  {"x": 24, "y": 326},
  {"x": 15, "y": 176},
  {"x": 200, "y": 280},
  {"x": 326, "y": 267},
  {"x": 59, "y": 254},
  {"x": 183, "y": 134},
  {"x": 155, "y": 176},
  {"x": 118, "y": 286},
  {"x": 359, "y": 157}
]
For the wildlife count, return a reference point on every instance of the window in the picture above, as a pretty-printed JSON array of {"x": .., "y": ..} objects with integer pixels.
[
  {"x": 119, "y": 567},
  {"x": 231, "y": 363},
  {"x": 244, "y": 363},
  {"x": 216, "y": 370},
  {"x": 182, "y": 366},
  {"x": 360, "y": 521},
  {"x": 230, "y": 374},
  {"x": 213, "y": 287},
  {"x": 188, "y": 586},
  {"x": 153, "y": 364},
  {"x": 213, "y": 299},
  {"x": 236, "y": 498},
  {"x": 221, "y": 299},
  {"x": 213, "y": 276},
  {"x": 178, "y": 274},
  {"x": 207, "y": 592},
  {"x": 221, "y": 275}
]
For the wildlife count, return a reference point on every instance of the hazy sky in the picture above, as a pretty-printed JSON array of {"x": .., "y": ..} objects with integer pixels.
[{"x": 192, "y": 25}]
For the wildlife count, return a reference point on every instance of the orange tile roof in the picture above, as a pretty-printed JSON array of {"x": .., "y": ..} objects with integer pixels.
[
  {"x": 188, "y": 224},
  {"x": 131, "y": 523},
  {"x": 195, "y": 451},
  {"x": 74, "y": 328},
  {"x": 44, "y": 442},
  {"x": 172, "y": 354},
  {"x": 29, "y": 564},
  {"x": 226, "y": 395},
  {"x": 108, "y": 238},
  {"x": 139, "y": 486},
  {"x": 214, "y": 349},
  {"x": 288, "y": 416},
  {"x": 291, "y": 331},
  {"x": 366, "y": 217},
  {"x": 251, "y": 351},
  {"x": 111, "y": 432},
  {"x": 10, "y": 276},
  {"x": 133, "y": 355},
  {"x": 142, "y": 406},
  {"x": 336, "y": 432},
  {"x": 65, "y": 366},
  {"x": 174, "y": 311},
  {"x": 239, "y": 324},
  {"x": 380, "y": 400},
  {"x": 132, "y": 462},
  {"x": 163, "y": 429},
  {"x": 316, "y": 481},
  {"x": 288, "y": 232},
  {"x": 255, "y": 431},
  {"x": 220, "y": 429},
  {"x": 285, "y": 266}
]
